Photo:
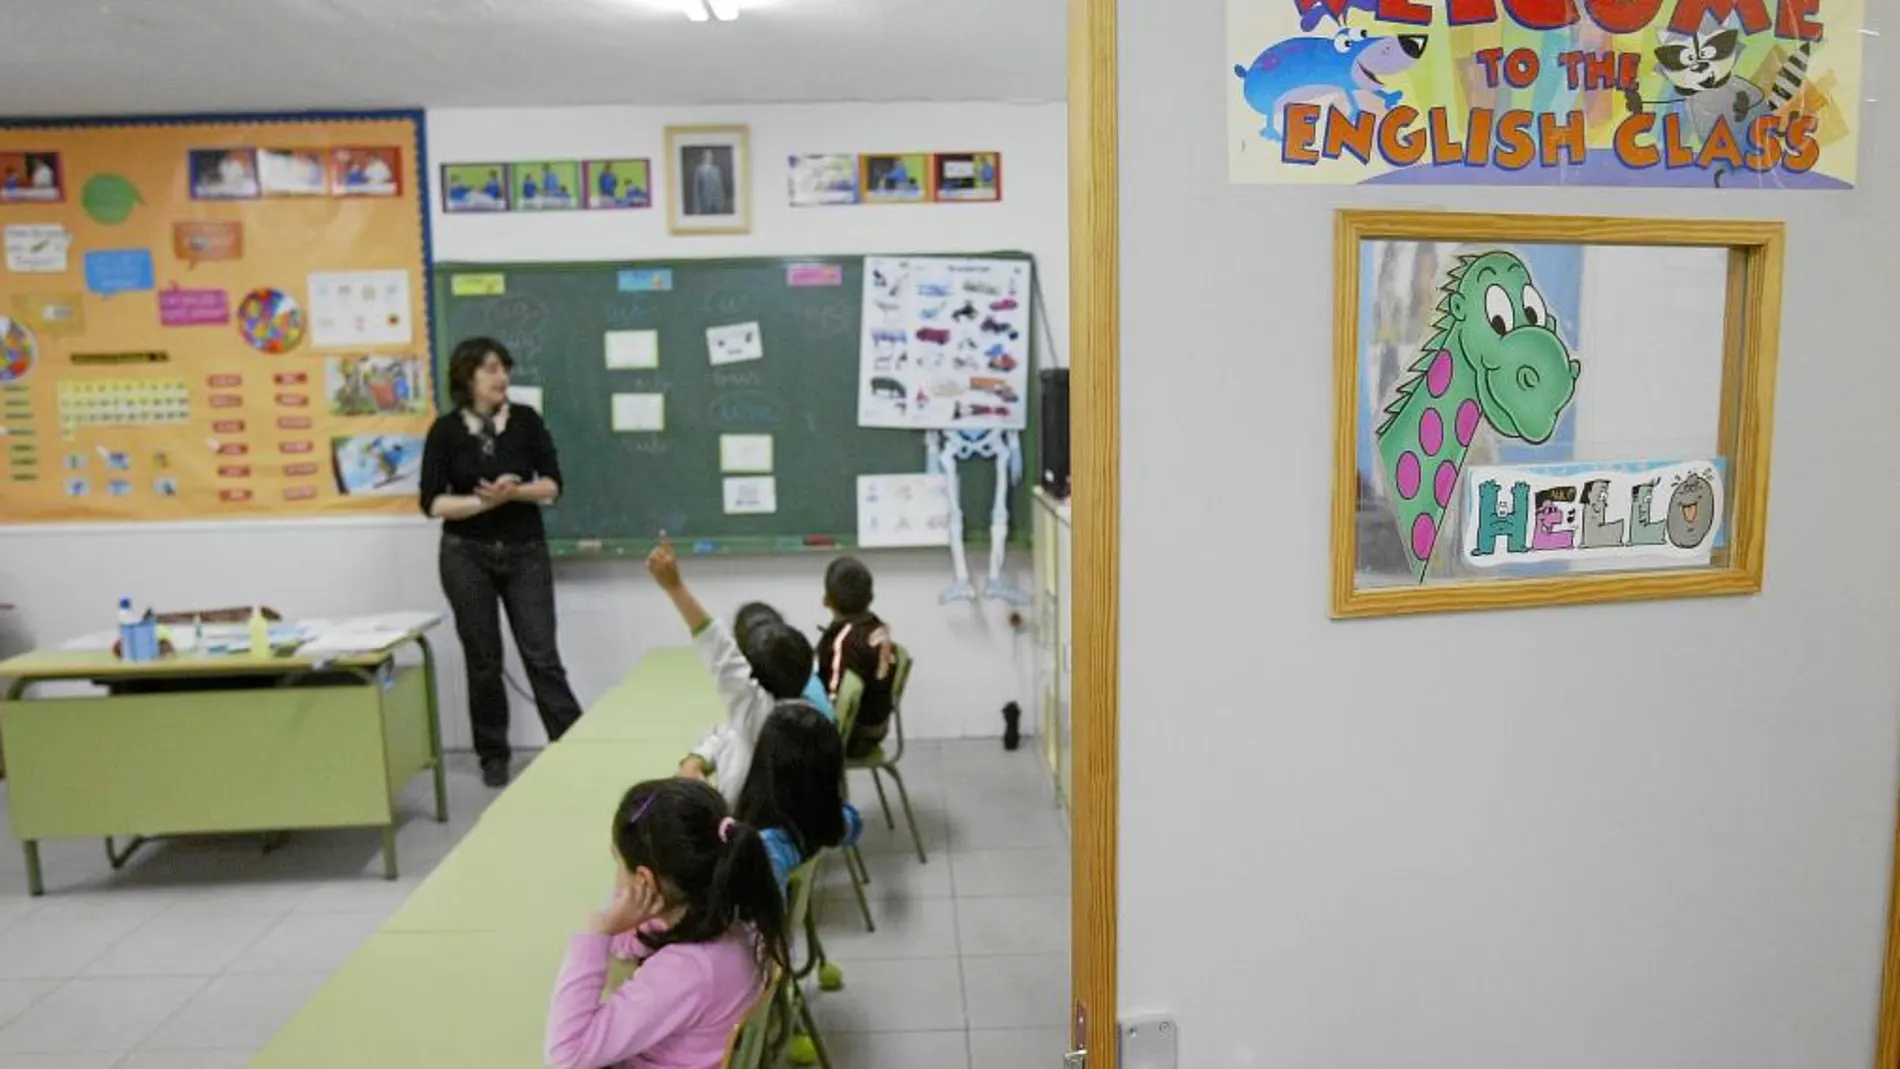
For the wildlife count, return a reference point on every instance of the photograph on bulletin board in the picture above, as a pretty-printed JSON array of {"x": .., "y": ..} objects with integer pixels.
[
  {"x": 1690, "y": 94},
  {"x": 1531, "y": 407},
  {"x": 211, "y": 320}
]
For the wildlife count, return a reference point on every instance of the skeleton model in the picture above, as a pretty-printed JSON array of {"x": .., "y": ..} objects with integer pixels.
[{"x": 1005, "y": 449}]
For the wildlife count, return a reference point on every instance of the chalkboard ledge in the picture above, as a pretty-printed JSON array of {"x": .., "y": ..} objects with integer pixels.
[{"x": 727, "y": 547}]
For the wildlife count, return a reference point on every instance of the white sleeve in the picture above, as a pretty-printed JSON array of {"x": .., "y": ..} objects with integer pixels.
[{"x": 747, "y": 703}]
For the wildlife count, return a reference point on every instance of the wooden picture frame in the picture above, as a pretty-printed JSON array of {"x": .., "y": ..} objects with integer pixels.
[
  {"x": 694, "y": 155},
  {"x": 1749, "y": 347}
]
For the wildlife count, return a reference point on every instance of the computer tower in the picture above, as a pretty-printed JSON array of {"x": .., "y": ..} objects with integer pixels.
[{"x": 1053, "y": 440}]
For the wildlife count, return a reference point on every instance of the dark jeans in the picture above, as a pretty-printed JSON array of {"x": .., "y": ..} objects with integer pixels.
[{"x": 480, "y": 580}]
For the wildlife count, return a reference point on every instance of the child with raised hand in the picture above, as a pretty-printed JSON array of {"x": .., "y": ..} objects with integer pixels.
[
  {"x": 857, "y": 641},
  {"x": 795, "y": 792},
  {"x": 695, "y": 903},
  {"x": 756, "y": 616},
  {"x": 774, "y": 666}
]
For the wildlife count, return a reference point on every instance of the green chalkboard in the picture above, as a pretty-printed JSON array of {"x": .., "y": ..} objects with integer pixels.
[{"x": 621, "y": 488}]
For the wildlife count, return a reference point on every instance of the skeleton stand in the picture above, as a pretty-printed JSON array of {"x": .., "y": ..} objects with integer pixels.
[{"x": 946, "y": 448}]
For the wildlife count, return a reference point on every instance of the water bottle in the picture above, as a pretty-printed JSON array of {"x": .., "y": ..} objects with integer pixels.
[
  {"x": 260, "y": 633},
  {"x": 128, "y": 624}
]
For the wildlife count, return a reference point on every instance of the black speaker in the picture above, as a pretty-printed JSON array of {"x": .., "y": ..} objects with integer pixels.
[{"x": 1054, "y": 440}]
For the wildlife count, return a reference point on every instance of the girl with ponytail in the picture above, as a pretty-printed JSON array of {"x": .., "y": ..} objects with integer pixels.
[{"x": 695, "y": 902}]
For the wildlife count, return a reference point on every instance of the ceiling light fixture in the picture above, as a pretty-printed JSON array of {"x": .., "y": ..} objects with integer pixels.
[
  {"x": 694, "y": 10},
  {"x": 723, "y": 10}
]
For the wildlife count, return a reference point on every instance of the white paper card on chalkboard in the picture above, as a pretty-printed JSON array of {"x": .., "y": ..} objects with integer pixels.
[
  {"x": 639, "y": 413},
  {"x": 751, "y": 495},
  {"x": 37, "y": 248},
  {"x": 745, "y": 454},
  {"x": 632, "y": 350},
  {"x": 526, "y": 396},
  {"x": 735, "y": 344},
  {"x": 903, "y": 510}
]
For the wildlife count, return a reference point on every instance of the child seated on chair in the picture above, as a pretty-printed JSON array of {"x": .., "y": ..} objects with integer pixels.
[
  {"x": 694, "y": 903},
  {"x": 795, "y": 791},
  {"x": 758, "y": 616},
  {"x": 774, "y": 666},
  {"x": 857, "y": 641}
]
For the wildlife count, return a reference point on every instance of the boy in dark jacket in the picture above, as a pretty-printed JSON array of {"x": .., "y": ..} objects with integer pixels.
[{"x": 857, "y": 641}]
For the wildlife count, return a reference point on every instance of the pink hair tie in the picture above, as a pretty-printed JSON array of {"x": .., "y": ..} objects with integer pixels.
[{"x": 725, "y": 829}]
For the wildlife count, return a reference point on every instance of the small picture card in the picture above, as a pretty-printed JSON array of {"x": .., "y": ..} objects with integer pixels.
[
  {"x": 475, "y": 187},
  {"x": 31, "y": 178},
  {"x": 617, "y": 184},
  {"x": 632, "y": 350},
  {"x": 894, "y": 179},
  {"x": 736, "y": 344},
  {"x": 745, "y": 454},
  {"x": 224, "y": 174},
  {"x": 366, "y": 172},
  {"x": 822, "y": 181},
  {"x": 751, "y": 495},
  {"x": 967, "y": 176},
  {"x": 292, "y": 172},
  {"x": 547, "y": 186},
  {"x": 639, "y": 413}
]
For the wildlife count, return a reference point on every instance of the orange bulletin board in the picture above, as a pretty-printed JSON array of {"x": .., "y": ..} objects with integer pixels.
[{"x": 212, "y": 319}]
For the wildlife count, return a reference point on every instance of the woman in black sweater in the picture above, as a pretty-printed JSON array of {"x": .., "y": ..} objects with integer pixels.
[{"x": 488, "y": 467}]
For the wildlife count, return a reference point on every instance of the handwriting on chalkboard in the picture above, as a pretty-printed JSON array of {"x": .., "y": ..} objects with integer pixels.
[
  {"x": 729, "y": 304},
  {"x": 737, "y": 380},
  {"x": 829, "y": 320},
  {"x": 745, "y": 410},
  {"x": 629, "y": 314},
  {"x": 652, "y": 447}
]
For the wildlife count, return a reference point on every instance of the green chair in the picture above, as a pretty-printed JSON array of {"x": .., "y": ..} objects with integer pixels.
[
  {"x": 796, "y": 1011},
  {"x": 849, "y": 699},
  {"x": 883, "y": 760},
  {"x": 752, "y": 1041}
]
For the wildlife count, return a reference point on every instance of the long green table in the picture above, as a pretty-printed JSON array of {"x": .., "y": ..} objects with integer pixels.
[
  {"x": 270, "y": 758},
  {"x": 461, "y": 973}
]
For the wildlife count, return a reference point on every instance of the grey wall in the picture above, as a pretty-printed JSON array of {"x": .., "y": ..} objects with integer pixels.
[{"x": 1647, "y": 835}]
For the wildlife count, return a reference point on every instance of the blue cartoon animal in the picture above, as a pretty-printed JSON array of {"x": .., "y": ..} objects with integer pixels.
[
  {"x": 1311, "y": 11},
  {"x": 1346, "y": 70}
]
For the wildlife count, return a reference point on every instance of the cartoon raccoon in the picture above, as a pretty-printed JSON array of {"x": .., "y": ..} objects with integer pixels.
[{"x": 1701, "y": 70}]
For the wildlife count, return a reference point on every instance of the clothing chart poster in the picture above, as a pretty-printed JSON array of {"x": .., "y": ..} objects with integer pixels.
[
  {"x": 211, "y": 320},
  {"x": 903, "y": 511},
  {"x": 946, "y": 344},
  {"x": 1698, "y": 94}
]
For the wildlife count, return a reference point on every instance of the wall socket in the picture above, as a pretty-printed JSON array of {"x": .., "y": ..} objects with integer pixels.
[{"x": 1148, "y": 1042}]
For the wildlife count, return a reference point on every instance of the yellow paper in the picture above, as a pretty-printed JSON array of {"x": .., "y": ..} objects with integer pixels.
[{"x": 478, "y": 285}]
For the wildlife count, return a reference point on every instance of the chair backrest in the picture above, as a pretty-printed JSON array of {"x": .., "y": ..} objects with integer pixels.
[
  {"x": 849, "y": 699},
  {"x": 901, "y": 665},
  {"x": 751, "y": 1038},
  {"x": 798, "y": 891}
]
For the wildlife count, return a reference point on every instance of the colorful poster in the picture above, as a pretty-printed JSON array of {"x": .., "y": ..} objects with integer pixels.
[
  {"x": 1535, "y": 515},
  {"x": 169, "y": 369},
  {"x": 1683, "y": 93},
  {"x": 945, "y": 344},
  {"x": 619, "y": 184},
  {"x": 820, "y": 180},
  {"x": 547, "y": 186}
]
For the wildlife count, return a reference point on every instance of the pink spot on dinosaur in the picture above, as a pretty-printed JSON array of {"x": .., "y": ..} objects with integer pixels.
[
  {"x": 1445, "y": 482},
  {"x": 1424, "y": 537},
  {"x": 1409, "y": 475},
  {"x": 1431, "y": 432},
  {"x": 1438, "y": 377},
  {"x": 1468, "y": 416}
]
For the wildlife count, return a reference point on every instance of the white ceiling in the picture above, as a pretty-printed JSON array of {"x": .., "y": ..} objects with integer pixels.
[{"x": 76, "y": 57}]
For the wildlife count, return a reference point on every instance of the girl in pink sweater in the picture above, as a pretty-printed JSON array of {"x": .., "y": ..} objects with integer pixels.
[{"x": 696, "y": 904}]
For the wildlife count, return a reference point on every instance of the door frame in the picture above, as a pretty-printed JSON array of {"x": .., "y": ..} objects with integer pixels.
[{"x": 1095, "y": 398}]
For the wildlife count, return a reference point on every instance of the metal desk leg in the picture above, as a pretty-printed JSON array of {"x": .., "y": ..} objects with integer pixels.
[
  {"x": 389, "y": 851},
  {"x": 35, "y": 885},
  {"x": 435, "y": 731}
]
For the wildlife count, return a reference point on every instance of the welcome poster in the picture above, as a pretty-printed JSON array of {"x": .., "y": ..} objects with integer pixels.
[{"x": 1680, "y": 93}]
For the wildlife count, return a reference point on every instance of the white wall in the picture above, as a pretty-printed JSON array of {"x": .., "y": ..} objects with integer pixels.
[
  {"x": 970, "y": 661},
  {"x": 1636, "y": 836}
]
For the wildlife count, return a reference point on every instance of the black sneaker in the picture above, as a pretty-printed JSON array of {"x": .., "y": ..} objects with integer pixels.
[{"x": 495, "y": 774}]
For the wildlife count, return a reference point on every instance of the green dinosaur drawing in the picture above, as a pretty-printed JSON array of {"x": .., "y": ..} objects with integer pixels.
[{"x": 1494, "y": 358}]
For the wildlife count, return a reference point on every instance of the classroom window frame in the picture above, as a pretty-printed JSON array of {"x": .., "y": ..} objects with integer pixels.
[{"x": 1750, "y": 350}]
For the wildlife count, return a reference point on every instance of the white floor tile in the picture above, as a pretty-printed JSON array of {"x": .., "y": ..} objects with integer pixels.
[
  {"x": 238, "y": 1011},
  {"x": 1005, "y": 926},
  {"x": 95, "y": 1059},
  {"x": 1010, "y": 873},
  {"x": 18, "y": 996},
  {"x": 90, "y": 1015},
  {"x": 199, "y": 940},
  {"x": 892, "y": 876},
  {"x": 893, "y": 996},
  {"x": 309, "y": 942},
  {"x": 1026, "y": 827},
  {"x": 1032, "y": 1048},
  {"x": 60, "y": 939},
  {"x": 1017, "y": 992},
  {"x": 899, "y": 1050},
  {"x": 184, "y": 1059},
  {"x": 906, "y": 928}
]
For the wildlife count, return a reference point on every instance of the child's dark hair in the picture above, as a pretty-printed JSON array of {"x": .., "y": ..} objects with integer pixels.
[
  {"x": 751, "y": 617},
  {"x": 718, "y": 870},
  {"x": 848, "y": 587},
  {"x": 781, "y": 657},
  {"x": 796, "y": 782}
]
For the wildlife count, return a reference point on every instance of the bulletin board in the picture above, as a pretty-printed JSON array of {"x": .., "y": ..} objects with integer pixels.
[{"x": 211, "y": 319}]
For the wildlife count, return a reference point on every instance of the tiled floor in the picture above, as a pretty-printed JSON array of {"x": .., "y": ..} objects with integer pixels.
[{"x": 200, "y": 950}]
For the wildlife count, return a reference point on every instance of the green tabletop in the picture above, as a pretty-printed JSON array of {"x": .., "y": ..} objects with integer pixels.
[
  {"x": 530, "y": 872},
  {"x": 50, "y": 665},
  {"x": 669, "y": 691},
  {"x": 411, "y": 1000},
  {"x": 584, "y": 782}
]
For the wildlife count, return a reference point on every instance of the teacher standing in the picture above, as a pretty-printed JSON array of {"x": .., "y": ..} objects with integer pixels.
[{"x": 488, "y": 467}]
